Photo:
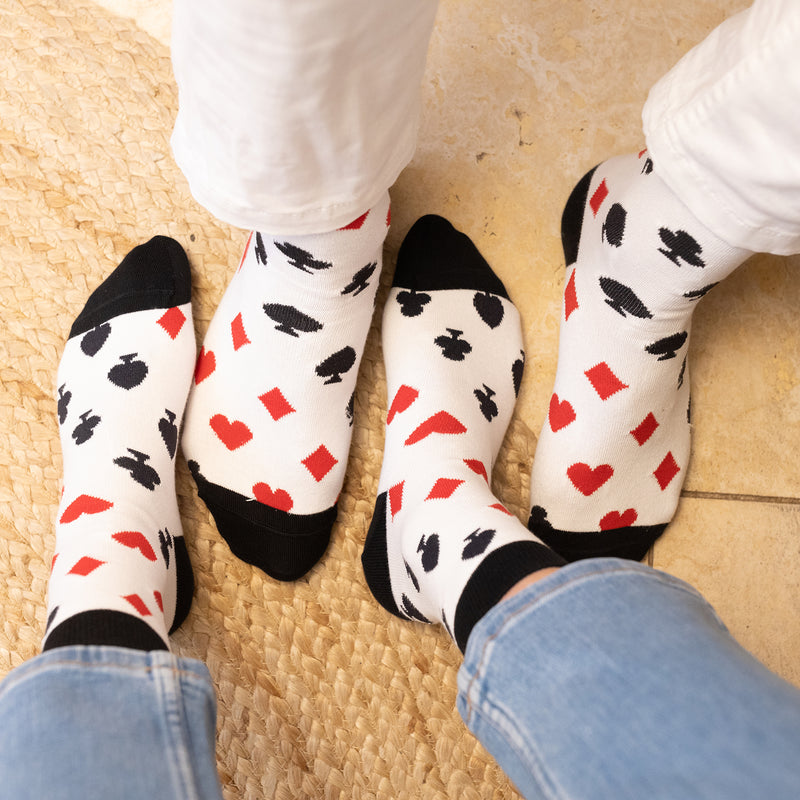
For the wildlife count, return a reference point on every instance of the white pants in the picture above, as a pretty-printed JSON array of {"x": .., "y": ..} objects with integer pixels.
[{"x": 296, "y": 115}]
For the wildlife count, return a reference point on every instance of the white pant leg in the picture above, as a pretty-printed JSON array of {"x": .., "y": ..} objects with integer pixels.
[
  {"x": 723, "y": 127},
  {"x": 295, "y": 116}
]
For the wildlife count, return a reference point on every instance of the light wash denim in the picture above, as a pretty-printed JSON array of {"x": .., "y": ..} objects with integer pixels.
[
  {"x": 611, "y": 680},
  {"x": 79, "y": 723}
]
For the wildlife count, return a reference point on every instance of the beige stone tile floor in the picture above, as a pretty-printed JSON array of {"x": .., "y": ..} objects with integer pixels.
[{"x": 521, "y": 97}]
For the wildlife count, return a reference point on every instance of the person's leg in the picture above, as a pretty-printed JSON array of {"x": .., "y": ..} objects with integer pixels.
[
  {"x": 295, "y": 118},
  {"x": 608, "y": 679},
  {"x": 107, "y": 711},
  {"x": 645, "y": 238}
]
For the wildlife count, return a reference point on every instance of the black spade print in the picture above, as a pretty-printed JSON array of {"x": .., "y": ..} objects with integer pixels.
[
  {"x": 412, "y": 576},
  {"x": 63, "y": 403},
  {"x": 698, "y": 293},
  {"x": 667, "y": 347},
  {"x": 350, "y": 411},
  {"x": 647, "y": 167},
  {"x": 412, "y": 303},
  {"x": 360, "y": 280},
  {"x": 85, "y": 430},
  {"x": 129, "y": 373},
  {"x": 489, "y": 308},
  {"x": 476, "y": 543},
  {"x": 488, "y": 406},
  {"x": 452, "y": 347},
  {"x": 51, "y": 617},
  {"x": 623, "y": 299},
  {"x": 689, "y": 411},
  {"x": 290, "y": 320},
  {"x": 301, "y": 259},
  {"x": 517, "y": 370},
  {"x": 614, "y": 225},
  {"x": 194, "y": 468},
  {"x": 259, "y": 250},
  {"x": 430, "y": 551},
  {"x": 169, "y": 431},
  {"x": 95, "y": 339},
  {"x": 680, "y": 246},
  {"x": 333, "y": 367},
  {"x": 410, "y": 610},
  {"x": 166, "y": 543},
  {"x": 141, "y": 472},
  {"x": 538, "y": 519},
  {"x": 447, "y": 625},
  {"x": 682, "y": 373}
]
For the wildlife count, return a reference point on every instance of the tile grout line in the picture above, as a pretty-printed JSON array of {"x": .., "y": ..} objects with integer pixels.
[{"x": 746, "y": 498}]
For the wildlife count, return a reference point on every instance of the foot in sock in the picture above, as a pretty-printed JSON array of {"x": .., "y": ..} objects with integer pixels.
[
  {"x": 441, "y": 547},
  {"x": 270, "y": 414},
  {"x": 612, "y": 456},
  {"x": 121, "y": 574}
]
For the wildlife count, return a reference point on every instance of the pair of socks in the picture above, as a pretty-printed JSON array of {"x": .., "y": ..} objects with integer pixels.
[{"x": 270, "y": 410}]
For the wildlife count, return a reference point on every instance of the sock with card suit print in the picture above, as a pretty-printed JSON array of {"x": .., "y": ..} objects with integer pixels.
[
  {"x": 270, "y": 414},
  {"x": 441, "y": 547},
  {"x": 121, "y": 574},
  {"x": 612, "y": 455}
]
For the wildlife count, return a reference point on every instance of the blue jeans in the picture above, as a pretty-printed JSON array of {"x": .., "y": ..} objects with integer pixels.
[
  {"x": 610, "y": 680},
  {"x": 78, "y": 723}
]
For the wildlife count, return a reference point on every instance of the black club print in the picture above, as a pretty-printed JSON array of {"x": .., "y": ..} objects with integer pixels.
[
  {"x": 667, "y": 347},
  {"x": 64, "y": 397},
  {"x": 488, "y": 406},
  {"x": 429, "y": 547},
  {"x": 194, "y": 468},
  {"x": 489, "y": 308},
  {"x": 336, "y": 365},
  {"x": 476, "y": 543},
  {"x": 623, "y": 299},
  {"x": 538, "y": 518},
  {"x": 289, "y": 320},
  {"x": 302, "y": 259},
  {"x": 85, "y": 430},
  {"x": 51, "y": 617},
  {"x": 260, "y": 251},
  {"x": 129, "y": 373},
  {"x": 169, "y": 431},
  {"x": 517, "y": 370},
  {"x": 410, "y": 610},
  {"x": 614, "y": 225},
  {"x": 412, "y": 576},
  {"x": 447, "y": 625},
  {"x": 698, "y": 293},
  {"x": 95, "y": 339},
  {"x": 452, "y": 346},
  {"x": 412, "y": 303},
  {"x": 682, "y": 373},
  {"x": 360, "y": 280},
  {"x": 166, "y": 543},
  {"x": 140, "y": 471},
  {"x": 647, "y": 167},
  {"x": 680, "y": 246}
]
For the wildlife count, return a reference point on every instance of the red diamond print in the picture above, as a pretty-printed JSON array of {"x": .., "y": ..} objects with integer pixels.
[
  {"x": 645, "y": 429},
  {"x": 85, "y": 566},
  {"x": 238, "y": 334},
  {"x": 600, "y": 194},
  {"x": 396, "y": 498},
  {"x": 246, "y": 249},
  {"x": 53, "y": 562},
  {"x": 172, "y": 321},
  {"x": 277, "y": 405},
  {"x": 138, "y": 604},
  {"x": 320, "y": 463},
  {"x": 605, "y": 382},
  {"x": 501, "y": 507},
  {"x": 405, "y": 396},
  {"x": 666, "y": 471},
  {"x": 477, "y": 467},
  {"x": 356, "y": 223},
  {"x": 570, "y": 297},
  {"x": 159, "y": 600},
  {"x": 389, "y": 217},
  {"x": 642, "y": 152},
  {"x": 444, "y": 488}
]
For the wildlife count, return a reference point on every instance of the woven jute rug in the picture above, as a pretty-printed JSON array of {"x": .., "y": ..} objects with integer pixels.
[{"x": 322, "y": 694}]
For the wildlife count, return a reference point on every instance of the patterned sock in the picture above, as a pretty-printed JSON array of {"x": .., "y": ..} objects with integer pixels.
[
  {"x": 440, "y": 546},
  {"x": 270, "y": 415},
  {"x": 121, "y": 573},
  {"x": 612, "y": 456}
]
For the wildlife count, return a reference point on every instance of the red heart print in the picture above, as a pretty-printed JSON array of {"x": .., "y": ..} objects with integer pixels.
[
  {"x": 136, "y": 541},
  {"x": 616, "y": 520},
  {"x": 588, "y": 480},
  {"x": 561, "y": 413},
  {"x": 84, "y": 504},
  {"x": 232, "y": 434},
  {"x": 206, "y": 364},
  {"x": 440, "y": 422},
  {"x": 278, "y": 498}
]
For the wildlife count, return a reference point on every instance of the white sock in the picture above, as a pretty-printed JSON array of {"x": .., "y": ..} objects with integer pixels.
[{"x": 613, "y": 453}]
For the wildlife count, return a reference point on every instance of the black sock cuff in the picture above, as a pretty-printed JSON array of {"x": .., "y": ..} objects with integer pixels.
[
  {"x": 105, "y": 627},
  {"x": 495, "y": 575}
]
